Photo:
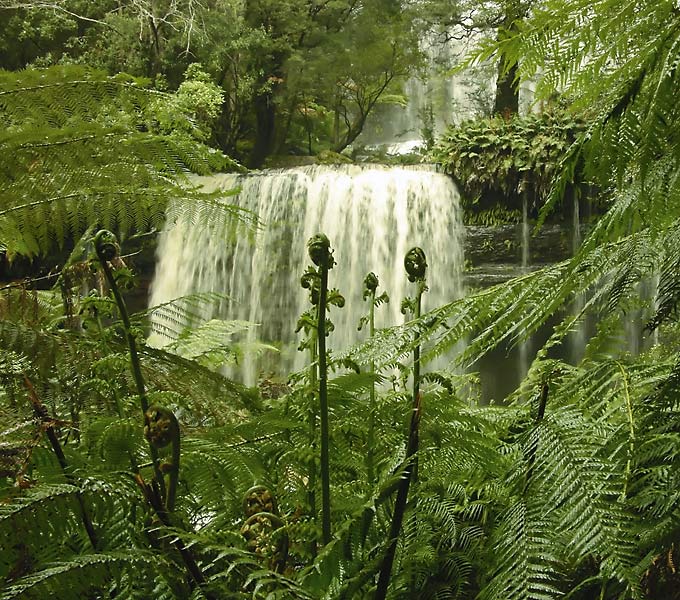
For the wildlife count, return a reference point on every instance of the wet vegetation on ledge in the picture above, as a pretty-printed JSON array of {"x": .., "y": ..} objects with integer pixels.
[{"x": 495, "y": 160}]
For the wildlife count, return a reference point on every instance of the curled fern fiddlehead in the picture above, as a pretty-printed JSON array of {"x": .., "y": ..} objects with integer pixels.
[
  {"x": 415, "y": 264},
  {"x": 162, "y": 429},
  {"x": 319, "y": 248},
  {"x": 321, "y": 254},
  {"x": 161, "y": 426},
  {"x": 106, "y": 245},
  {"x": 416, "y": 267},
  {"x": 370, "y": 284},
  {"x": 263, "y": 528},
  {"x": 259, "y": 499}
]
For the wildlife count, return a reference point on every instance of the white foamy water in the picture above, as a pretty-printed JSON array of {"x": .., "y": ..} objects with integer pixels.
[{"x": 372, "y": 215}]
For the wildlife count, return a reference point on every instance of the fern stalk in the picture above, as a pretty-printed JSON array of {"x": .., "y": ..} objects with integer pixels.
[
  {"x": 370, "y": 287},
  {"x": 319, "y": 252},
  {"x": 323, "y": 407},
  {"x": 416, "y": 265},
  {"x": 631, "y": 425},
  {"x": 370, "y": 467},
  {"x": 41, "y": 413},
  {"x": 540, "y": 413},
  {"x": 195, "y": 572},
  {"x": 311, "y": 496},
  {"x": 106, "y": 248}
]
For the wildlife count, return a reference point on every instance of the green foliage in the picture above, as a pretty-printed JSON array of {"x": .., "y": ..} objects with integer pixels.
[
  {"x": 508, "y": 155},
  {"x": 495, "y": 216},
  {"x": 283, "y": 76},
  {"x": 78, "y": 154},
  {"x": 193, "y": 109}
]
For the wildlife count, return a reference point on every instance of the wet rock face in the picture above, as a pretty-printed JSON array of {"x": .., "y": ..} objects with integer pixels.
[
  {"x": 494, "y": 245},
  {"x": 494, "y": 254}
]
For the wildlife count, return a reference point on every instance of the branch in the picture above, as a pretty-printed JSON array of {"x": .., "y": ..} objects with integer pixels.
[
  {"x": 48, "y": 426},
  {"x": 5, "y": 5}
]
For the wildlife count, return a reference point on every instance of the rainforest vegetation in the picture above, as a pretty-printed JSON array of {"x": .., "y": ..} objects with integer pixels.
[{"x": 128, "y": 471}]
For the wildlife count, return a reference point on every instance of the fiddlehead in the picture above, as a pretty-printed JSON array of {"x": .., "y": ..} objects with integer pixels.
[
  {"x": 416, "y": 266},
  {"x": 259, "y": 499},
  {"x": 319, "y": 249},
  {"x": 162, "y": 429},
  {"x": 263, "y": 528},
  {"x": 370, "y": 289},
  {"x": 106, "y": 245}
]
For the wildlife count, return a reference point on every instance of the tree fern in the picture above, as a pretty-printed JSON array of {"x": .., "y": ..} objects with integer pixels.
[{"x": 79, "y": 151}]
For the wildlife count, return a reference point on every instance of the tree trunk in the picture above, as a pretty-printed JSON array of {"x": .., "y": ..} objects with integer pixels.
[
  {"x": 265, "y": 113},
  {"x": 506, "y": 101},
  {"x": 352, "y": 134}
]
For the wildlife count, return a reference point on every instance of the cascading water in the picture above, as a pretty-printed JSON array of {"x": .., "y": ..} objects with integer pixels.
[
  {"x": 526, "y": 233},
  {"x": 435, "y": 99},
  {"x": 372, "y": 214},
  {"x": 576, "y": 224},
  {"x": 579, "y": 336},
  {"x": 525, "y": 346}
]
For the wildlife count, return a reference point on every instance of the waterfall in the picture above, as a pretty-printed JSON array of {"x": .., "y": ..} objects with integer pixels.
[
  {"x": 575, "y": 224},
  {"x": 525, "y": 348},
  {"x": 654, "y": 305},
  {"x": 434, "y": 99},
  {"x": 579, "y": 337},
  {"x": 526, "y": 234},
  {"x": 372, "y": 215}
]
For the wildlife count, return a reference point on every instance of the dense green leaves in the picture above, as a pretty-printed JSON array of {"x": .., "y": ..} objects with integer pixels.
[
  {"x": 79, "y": 149},
  {"x": 508, "y": 155}
]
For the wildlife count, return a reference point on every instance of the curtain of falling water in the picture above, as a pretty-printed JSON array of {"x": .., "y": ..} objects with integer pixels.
[
  {"x": 525, "y": 242},
  {"x": 579, "y": 337},
  {"x": 372, "y": 215}
]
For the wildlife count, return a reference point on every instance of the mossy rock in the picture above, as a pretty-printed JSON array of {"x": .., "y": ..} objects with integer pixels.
[
  {"x": 328, "y": 157},
  {"x": 288, "y": 161}
]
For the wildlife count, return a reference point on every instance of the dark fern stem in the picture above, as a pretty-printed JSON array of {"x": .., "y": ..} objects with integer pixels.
[
  {"x": 308, "y": 323},
  {"x": 320, "y": 252},
  {"x": 371, "y": 283},
  {"x": 540, "y": 413},
  {"x": 160, "y": 425},
  {"x": 416, "y": 267},
  {"x": 106, "y": 247},
  {"x": 41, "y": 413}
]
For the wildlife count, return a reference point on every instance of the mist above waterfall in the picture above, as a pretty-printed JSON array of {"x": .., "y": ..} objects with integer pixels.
[{"x": 372, "y": 214}]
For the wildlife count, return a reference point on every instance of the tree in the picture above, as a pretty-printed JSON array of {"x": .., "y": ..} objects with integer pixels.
[
  {"x": 506, "y": 100},
  {"x": 272, "y": 58},
  {"x": 472, "y": 21},
  {"x": 349, "y": 83},
  {"x": 311, "y": 57}
]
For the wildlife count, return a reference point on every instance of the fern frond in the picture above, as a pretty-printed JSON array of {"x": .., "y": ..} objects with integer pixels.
[
  {"x": 527, "y": 566},
  {"x": 61, "y": 95},
  {"x": 119, "y": 572},
  {"x": 78, "y": 153}
]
